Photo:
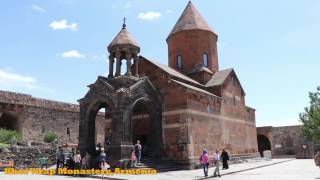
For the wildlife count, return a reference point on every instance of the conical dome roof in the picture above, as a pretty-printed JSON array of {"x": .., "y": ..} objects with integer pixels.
[
  {"x": 123, "y": 38},
  {"x": 190, "y": 19}
]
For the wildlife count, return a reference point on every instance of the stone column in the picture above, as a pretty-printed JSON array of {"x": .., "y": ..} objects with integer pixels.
[
  {"x": 111, "y": 61},
  {"x": 128, "y": 58},
  {"x": 136, "y": 66},
  {"x": 120, "y": 148},
  {"x": 84, "y": 144},
  {"x": 118, "y": 63}
]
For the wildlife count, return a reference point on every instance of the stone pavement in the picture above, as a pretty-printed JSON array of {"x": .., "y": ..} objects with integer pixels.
[{"x": 275, "y": 169}]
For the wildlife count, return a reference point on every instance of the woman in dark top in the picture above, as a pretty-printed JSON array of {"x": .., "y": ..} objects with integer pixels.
[{"x": 225, "y": 158}]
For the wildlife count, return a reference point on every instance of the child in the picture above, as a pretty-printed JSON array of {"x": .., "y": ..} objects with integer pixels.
[
  {"x": 77, "y": 160},
  {"x": 104, "y": 166},
  {"x": 43, "y": 162},
  {"x": 133, "y": 158}
]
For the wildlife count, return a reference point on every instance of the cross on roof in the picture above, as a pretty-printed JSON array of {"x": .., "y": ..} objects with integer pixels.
[{"x": 124, "y": 22}]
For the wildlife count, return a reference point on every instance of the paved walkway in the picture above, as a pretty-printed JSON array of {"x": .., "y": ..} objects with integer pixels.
[{"x": 276, "y": 169}]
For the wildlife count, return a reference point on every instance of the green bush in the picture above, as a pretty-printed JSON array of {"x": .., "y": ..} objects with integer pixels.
[
  {"x": 7, "y": 135},
  {"x": 2, "y": 145},
  {"x": 50, "y": 137}
]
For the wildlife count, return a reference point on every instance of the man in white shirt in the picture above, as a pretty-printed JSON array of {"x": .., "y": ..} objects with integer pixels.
[{"x": 216, "y": 161}]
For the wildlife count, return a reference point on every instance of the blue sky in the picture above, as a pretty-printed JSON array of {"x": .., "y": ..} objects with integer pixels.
[{"x": 54, "y": 49}]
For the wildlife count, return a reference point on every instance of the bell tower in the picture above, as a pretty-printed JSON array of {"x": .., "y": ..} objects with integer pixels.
[
  {"x": 123, "y": 47},
  {"x": 192, "y": 43}
]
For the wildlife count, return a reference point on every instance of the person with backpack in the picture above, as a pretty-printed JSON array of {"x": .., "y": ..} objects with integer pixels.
[{"x": 204, "y": 160}]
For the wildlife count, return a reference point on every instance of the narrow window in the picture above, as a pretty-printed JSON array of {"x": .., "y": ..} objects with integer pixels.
[
  {"x": 234, "y": 100},
  {"x": 205, "y": 60},
  {"x": 68, "y": 130},
  {"x": 179, "y": 62},
  {"x": 43, "y": 129}
]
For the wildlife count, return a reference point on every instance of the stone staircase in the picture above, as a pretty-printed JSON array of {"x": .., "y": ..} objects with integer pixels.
[{"x": 160, "y": 165}]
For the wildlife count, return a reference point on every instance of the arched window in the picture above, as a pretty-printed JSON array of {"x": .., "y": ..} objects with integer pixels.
[
  {"x": 179, "y": 62},
  {"x": 205, "y": 59}
]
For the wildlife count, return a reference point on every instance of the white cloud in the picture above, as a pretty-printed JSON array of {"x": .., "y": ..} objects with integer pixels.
[
  {"x": 57, "y": 25},
  {"x": 169, "y": 11},
  {"x": 149, "y": 16},
  {"x": 72, "y": 54},
  {"x": 38, "y": 8},
  {"x": 102, "y": 57},
  {"x": 14, "y": 81}
]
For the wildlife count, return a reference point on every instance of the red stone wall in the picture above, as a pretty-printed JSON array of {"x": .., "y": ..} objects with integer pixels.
[
  {"x": 191, "y": 45},
  {"x": 193, "y": 120},
  {"x": 211, "y": 129},
  {"x": 234, "y": 108}
]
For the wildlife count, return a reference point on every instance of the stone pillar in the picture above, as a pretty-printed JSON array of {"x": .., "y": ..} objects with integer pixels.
[
  {"x": 111, "y": 61},
  {"x": 120, "y": 148},
  {"x": 118, "y": 63},
  {"x": 84, "y": 145},
  {"x": 136, "y": 66},
  {"x": 128, "y": 58}
]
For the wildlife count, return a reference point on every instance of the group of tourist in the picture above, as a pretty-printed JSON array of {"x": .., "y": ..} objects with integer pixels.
[
  {"x": 204, "y": 160},
  {"x": 136, "y": 154},
  {"x": 74, "y": 160}
]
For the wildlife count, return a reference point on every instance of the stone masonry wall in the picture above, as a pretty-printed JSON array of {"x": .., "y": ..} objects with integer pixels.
[
  {"x": 37, "y": 116},
  {"x": 289, "y": 140}
]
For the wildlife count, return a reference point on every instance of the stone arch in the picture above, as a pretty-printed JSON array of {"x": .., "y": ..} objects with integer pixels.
[
  {"x": 89, "y": 108},
  {"x": 9, "y": 120},
  {"x": 92, "y": 115},
  {"x": 154, "y": 136},
  {"x": 263, "y": 144},
  {"x": 121, "y": 94}
]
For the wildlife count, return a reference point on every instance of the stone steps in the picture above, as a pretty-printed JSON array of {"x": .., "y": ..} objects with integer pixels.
[{"x": 158, "y": 164}]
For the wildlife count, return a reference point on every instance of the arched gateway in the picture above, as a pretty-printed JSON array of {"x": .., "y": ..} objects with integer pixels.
[{"x": 126, "y": 99}]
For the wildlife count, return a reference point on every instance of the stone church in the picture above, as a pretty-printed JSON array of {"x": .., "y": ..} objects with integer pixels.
[{"x": 175, "y": 110}]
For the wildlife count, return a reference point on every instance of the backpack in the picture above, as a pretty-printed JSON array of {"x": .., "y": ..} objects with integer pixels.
[{"x": 204, "y": 159}]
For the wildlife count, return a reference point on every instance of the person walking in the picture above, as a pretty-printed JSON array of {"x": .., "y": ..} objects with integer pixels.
[
  {"x": 104, "y": 166},
  {"x": 85, "y": 161},
  {"x": 225, "y": 159},
  {"x": 99, "y": 148},
  {"x": 59, "y": 158},
  {"x": 77, "y": 160},
  {"x": 204, "y": 160},
  {"x": 317, "y": 158},
  {"x": 133, "y": 159},
  {"x": 216, "y": 162},
  {"x": 70, "y": 162},
  {"x": 102, "y": 157},
  {"x": 137, "y": 151},
  {"x": 43, "y": 161}
]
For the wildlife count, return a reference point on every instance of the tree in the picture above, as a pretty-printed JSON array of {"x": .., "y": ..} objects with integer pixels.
[{"x": 311, "y": 117}]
